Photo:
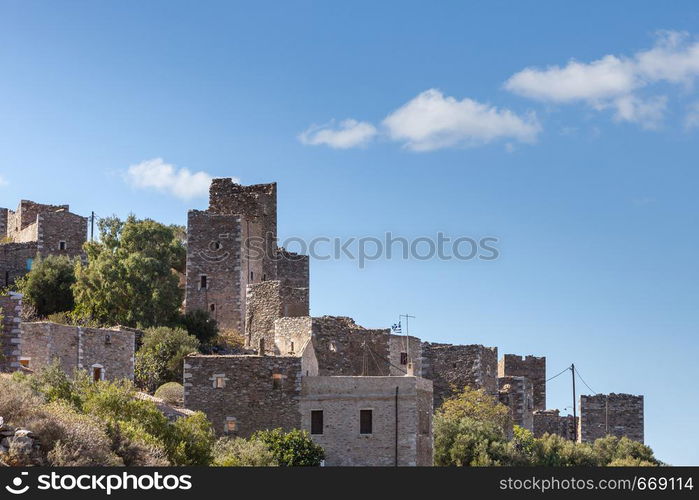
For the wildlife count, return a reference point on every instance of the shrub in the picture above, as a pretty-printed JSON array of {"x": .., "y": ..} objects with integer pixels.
[
  {"x": 294, "y": 448},
  {"x": 239, "y": 452},
  {"x": 17, "y": 400},
  {"x": 72, "y": 439},
  {"x": 160, "y": 358},
  {"x": 191, "y": 440},
  {"x": 171, "y": 392},
  {"x": 201, "y": 325}
]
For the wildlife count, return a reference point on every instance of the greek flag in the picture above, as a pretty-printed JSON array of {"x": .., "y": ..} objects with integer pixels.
[{"x": 396, "y": 328}]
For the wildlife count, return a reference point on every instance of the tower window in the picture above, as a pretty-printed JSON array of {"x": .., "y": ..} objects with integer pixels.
[
  {"x": 252, "y": 275},
  {"x": 212, "y": 308},
  {"x": 365, "y": 421},
  {"x": 231, "y": 425},
  {"x": 61, "y": 245},
  {"x": 203, "y": 282},
  {"x": 316, "y": 421},
  {"x": 404, "y": 358},
  {"x": 277, "y": 381},
  {"x": 219, "y": 381}
]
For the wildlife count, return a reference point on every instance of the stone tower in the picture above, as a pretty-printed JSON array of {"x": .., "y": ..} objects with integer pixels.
[{"x": 233, "y": 245}]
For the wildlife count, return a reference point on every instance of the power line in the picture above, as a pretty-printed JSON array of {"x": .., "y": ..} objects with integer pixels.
[
  {"x": 586, "y": 384},
  {"x": 558, "y": 374}
]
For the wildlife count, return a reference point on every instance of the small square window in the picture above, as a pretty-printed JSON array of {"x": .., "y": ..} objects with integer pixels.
[
  {"x": 24, "y": 362},
  {"x": 404, "y": 358},
  {"x": 219, "y": 381},
  {"x": 212, "y": 308},
  {"x": 316, "y": 421},
  {"x": 277, "y": 381},
  {"x": 365, "y": 421},
  {"x": 231, "y": 425},
  {"x": 61, "y": 245},
  {"x": 108, "y": 339},
  {"x": 203, "y": 282}
]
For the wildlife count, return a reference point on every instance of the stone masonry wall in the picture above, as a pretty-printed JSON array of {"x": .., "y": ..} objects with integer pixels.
[
  {"x": 111, "y": 350},
  {"x": 3, "y": 223},
  {"x": 14, "y": 258},
  {"x": 341, "y": 399},
  {"x": 267, "y": 302},
  {"x": 532, "y": 367},
  {"x": 345, "y": 348},
  {"x": 250, "y": 396},
  {"x": 292, "y": 268},
  {"x": 517, "y": 394},
  {"x": 412, "y": 346},
  {"x": 292, "y": 334},
  {"x": 26, "y": 215},
  {"x": 615, "y": 414},
  {"x": 551, "y": 422},
  {"x": 57, "y": 227},
  {"x": 10, "y": 338},
  {"x": 213, "y": 250},
  {"x": 452, "y": 367}
]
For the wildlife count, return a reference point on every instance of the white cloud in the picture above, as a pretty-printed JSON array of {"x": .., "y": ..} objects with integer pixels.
[
  {"x": 614, "y": 81},
  {"x": 348, "y": 134},
  {"x": 691, "y": 120},
  {"x": 3, "y": 182},
  {"x": 432, "y": 121},
  {"x": 607, "y": 77},
  {"x": 166, "y": 178}
]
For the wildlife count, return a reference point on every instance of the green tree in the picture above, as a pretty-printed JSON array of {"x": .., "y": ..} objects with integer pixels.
[
  {"x": 48, "y": 286},
  {"x": 294, "y": 448},
  {"x": 478, "y": 405},
  {"x": 159, "y": 360},
  {"x": 130, "y": 277},
  {"x": 191, "y": 441}
]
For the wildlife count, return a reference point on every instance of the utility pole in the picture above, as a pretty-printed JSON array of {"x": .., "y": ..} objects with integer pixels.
[
  {"x": 575, "y": 420},
  {"x": 92, "y": 226}
]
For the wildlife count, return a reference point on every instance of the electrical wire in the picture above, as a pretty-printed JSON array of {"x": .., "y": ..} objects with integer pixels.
[
  {"x": 586, "y": 384},
  {"x": 558, "y": 374}
]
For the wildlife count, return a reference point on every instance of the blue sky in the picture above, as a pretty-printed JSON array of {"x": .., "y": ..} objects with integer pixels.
[{"x": 569, "y": 132}]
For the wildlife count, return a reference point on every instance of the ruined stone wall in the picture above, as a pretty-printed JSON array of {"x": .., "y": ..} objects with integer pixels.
[
  {"x": 410, "y": 346},
  {"x": 256, "y": 204},
  {"x": 551, "y": 422},
  {"x": 292, "y": 268},
  {"x": 57, "y": 227},
  {"x": 249, "y": 397},
  {"x": 517, "y": 394},
  {"x": 213, "y": 250},
  {"x": 267, "y": 302},
  {"x": 345, "y": 348},
  {"x": 14, "y": 260},
  {"x": 453, "y": 367},
  {"x": 532, "y": 367},
  {"x": 26, "y": 215},
  {"x": 341, "y": 399},
  {"x": 616, "y": 414},
  {"x": 112, "y": 350},
  {"x": 3, "y": 223},
  {"x": 292, "y": 334},
  {"x": 10, "y": 337}
]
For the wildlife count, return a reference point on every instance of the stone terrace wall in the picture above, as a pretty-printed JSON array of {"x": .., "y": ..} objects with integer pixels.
[
  {"x": 10, "y": 348},
  {"x": 249, "y": 396},
  {"x": 213, "y": 250},
  {"x": 456, "y": 366},
  {"x": 551, "y": 422},
  {"x": 342, "y": 398},
  {"x": 517, "y": 394},
  {"x": 616, "y": 414},
  {"x": 79, "y": 348},
  {"x": 345, "y": 348},
  {"x": 532, "y": 367}
]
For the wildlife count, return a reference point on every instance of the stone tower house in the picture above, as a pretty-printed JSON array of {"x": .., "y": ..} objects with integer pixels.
[{"x": 233, "y": 245}]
